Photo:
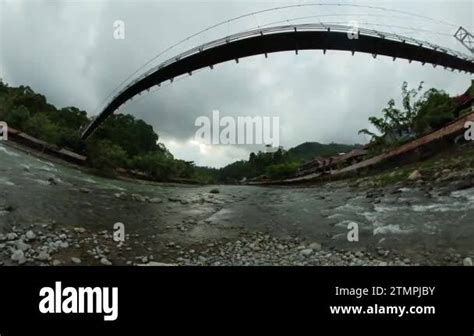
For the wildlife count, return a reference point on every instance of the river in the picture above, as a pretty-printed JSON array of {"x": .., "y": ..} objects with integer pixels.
[{"x": 409, "y": 225}]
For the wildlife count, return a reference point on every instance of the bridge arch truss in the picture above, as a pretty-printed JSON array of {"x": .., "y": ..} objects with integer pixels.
[{"x": 286, "y": 38}]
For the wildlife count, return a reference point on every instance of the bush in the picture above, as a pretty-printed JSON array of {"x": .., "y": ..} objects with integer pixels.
[
  {"x": 42, "y": 128},
  {"x": 106, "y": 156},
  {"x": 158, "y": 165},
  {"x": 17, "y": 117},
  {"x": 282, "y": 170},
  {"x": 435, "y": 110}
]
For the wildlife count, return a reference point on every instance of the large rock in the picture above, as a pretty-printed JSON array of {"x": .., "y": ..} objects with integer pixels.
[
  {"x": 415, "y": 175},
  {"x": 18, "y": 256},
  {"x": 52, "y": 181},
  {"x": 464, "y": 184},
  {"x": 11, "y": 236},
  {"x": 138, "y": 198},
  {"x": 105, "y": 261},
  {"x": 43, "y": 256},
  {"x": 306, "y": 252},
  {"x": 467, "y": 261},
  {"x": 121, "y": 195},
  {"x": 30, "y": 235},
  {"x": 21, "y": 245},
  {"x": 315, "y": 246},
  {"x": 76, "y": 260}
]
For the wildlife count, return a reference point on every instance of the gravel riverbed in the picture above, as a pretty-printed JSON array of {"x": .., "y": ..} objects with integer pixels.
[{"x": 56, "y": 215}]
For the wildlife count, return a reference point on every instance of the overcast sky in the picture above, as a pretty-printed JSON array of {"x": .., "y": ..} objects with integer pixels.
[{"x": 66, "y": 50}]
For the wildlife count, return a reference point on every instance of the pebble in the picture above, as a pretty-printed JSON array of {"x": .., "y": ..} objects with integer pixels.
[
  {"x": 315, "y": 246},
  {"x": 105, "y": 261},
  {"x": 120, "y": 195},
  {"x": 75, "y": 260},
  {"x": 415, "y": 175},
  {"x": 138, "y": 198},
  {"x": 18, "y": 256},
  {"x": 30, "y": 235},
  {"x": 11, "y": 236},
  {"x": 306, "y": 252},
  {"x": 43, "y": 256},
  {"x": 21, "y": 245}
]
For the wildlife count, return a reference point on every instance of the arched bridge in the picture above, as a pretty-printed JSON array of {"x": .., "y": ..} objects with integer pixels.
[{"x": 287, "y": 38}]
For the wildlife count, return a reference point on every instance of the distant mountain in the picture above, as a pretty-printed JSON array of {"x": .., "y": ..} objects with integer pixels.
[{"x": 309, "y": 150}]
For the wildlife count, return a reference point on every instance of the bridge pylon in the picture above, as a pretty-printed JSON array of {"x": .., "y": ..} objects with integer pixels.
[{"x": 466, "y": 38}]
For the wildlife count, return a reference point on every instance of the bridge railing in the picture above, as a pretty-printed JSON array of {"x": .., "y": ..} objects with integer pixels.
[{"x": 289, "y": 28}]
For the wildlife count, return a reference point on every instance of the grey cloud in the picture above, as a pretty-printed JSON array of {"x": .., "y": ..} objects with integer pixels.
[{"x": 67, "y": 52}]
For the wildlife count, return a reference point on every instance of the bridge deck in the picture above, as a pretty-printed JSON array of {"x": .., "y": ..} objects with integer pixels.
[{"x": 286, "y": 38}]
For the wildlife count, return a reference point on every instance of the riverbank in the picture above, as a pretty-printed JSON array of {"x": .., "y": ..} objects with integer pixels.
[
  {"x": 414, "y": 215},
  {"x": 120, "y": 175}
]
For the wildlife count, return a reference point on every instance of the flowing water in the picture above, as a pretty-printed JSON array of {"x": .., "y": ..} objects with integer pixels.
[{"x": 35, "y": 191}]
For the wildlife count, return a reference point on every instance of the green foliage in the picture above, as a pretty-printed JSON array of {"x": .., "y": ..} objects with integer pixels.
[
  {"x": 280, "y": 164},
  {"x": 418, "y": 115},
  {"x": 105, "y": 156},
  {"x": 206, "y": 175},
  {"x": 395, "y": 120},
  {"x": 18, "y": 117},
  {"x": 157, "y": 165},
  {"x": 282, "y": 170},
  {"x": 122, "y": 142},
  {"x": 42, "y": 128},
  {"x": 69, "y": 118},
  {"x": 435, "y": 109},
  {"x": 309, "y": 150},
  {"x": 135, "y": 136}
]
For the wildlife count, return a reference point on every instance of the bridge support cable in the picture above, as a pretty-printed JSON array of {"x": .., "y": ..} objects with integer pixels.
[{"x": 286, "y": 38}]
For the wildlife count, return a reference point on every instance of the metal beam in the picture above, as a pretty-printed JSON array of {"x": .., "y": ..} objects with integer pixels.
[{"x": 284, "y": 38}]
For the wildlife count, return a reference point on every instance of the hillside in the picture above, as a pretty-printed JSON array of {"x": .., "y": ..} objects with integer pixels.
[
  {"x": 309, "y": 150},
  {"x": 280, "y": 164}
]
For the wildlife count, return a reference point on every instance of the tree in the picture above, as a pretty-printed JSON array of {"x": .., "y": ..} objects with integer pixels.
[
  {"x": 134, "y": 136},
  {"x": 282, "y": 170},
  {"x": 42, "y": 128},
  {"x": 435, "y": 109},
  {"x": 106, "y": 156},
  {"x": 18, "y": 117},
  {"x": 69, "y": 117},
  {"x": 156, "y": 164},
  {"x": 394, "y": 119}
]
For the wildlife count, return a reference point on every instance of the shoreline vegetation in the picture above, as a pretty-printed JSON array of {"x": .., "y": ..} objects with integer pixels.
[
  {"x": 128, "y": 148},
  {"x": 177, "y": 227}
]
